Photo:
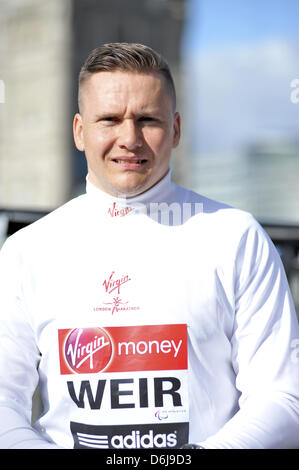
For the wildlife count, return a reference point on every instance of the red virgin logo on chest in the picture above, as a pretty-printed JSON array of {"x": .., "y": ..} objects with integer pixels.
[
  {"x": 122, "y": 349},
  {"x": 113, "y": 283}
]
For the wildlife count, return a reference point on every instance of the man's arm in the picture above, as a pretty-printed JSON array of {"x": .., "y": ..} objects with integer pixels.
[
  {"x": 19, "y": 358},
  {"x": 265, "y": 334},
  {"x": 17, "y": 433}
]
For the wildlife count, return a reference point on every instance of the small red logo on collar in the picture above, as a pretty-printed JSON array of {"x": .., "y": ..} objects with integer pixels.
[{"x": 114, "y": 212}]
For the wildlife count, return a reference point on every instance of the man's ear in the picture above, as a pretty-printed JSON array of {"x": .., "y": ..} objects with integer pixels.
[
  {"x": 78, "y": 132},
  {"x": 177, "y": 129}
]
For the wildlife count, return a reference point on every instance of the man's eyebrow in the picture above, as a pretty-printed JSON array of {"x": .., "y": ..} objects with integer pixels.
[
  {"x": 150, "y": 112},
  {"x": 106, "y": 114},
  {"x": 118, "y": 115}
]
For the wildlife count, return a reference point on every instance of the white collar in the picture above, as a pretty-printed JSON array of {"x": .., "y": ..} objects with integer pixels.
[{"x": 160, "y": 192}]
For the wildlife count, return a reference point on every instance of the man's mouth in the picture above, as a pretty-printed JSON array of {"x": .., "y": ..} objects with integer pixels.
[
  {"x": 141, "y": 160},
  {"x": 130, "y": 163}
]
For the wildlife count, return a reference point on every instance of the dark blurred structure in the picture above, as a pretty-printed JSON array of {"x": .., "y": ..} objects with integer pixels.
[
  {"x": 156, "y": 23},
  {"x": 285, "y": 238}
]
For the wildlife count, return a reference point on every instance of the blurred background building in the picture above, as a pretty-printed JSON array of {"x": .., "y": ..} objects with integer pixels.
[
  {"x": 233, "y": 63},
  {"x": 43, "y": 46}
]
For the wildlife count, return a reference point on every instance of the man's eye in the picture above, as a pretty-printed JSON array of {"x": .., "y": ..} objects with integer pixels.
[
  {"x": 109, "y": 120},
  {"x": 149, "y": 119}
]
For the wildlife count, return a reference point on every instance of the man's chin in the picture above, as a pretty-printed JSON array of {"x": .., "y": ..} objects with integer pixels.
[
  {"x": 129, "y": 192},
  {"x": 126, "y": 186},
  {"x": 131, "y": 188}
]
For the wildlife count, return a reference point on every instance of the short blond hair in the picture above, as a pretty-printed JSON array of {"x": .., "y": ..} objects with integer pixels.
[{"x": 130, "y": 57}]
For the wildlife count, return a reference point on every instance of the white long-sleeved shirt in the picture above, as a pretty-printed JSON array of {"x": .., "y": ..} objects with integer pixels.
[{"x": 147, "y": 322}]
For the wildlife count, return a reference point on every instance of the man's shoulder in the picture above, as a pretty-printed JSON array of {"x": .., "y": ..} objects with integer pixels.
[
  {"x": 53, "y": 223},
  {"x": 225, "y": 228},
  {"x": 214, "y": 207},
  {"x": 189, "y": 195}
]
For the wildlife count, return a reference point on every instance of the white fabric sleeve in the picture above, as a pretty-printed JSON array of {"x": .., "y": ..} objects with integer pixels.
[
  {"x": 16, "y": 432},
  {"x": 263, "y": 352},
  {"x": 19, "y": 357}
]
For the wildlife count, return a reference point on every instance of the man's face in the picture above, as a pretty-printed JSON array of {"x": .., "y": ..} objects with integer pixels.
[{"x": 127, "y": 128}]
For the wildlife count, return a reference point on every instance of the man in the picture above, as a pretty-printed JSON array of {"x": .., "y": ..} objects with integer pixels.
[{"x": 150, "y": 316}]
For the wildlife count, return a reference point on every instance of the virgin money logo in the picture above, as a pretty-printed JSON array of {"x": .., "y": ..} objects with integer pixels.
[
  {"x": 135, "y": 348},
  {"x": 87, "y": 350}
]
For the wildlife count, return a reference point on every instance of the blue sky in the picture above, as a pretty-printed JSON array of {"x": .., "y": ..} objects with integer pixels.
[
  {"x": 240, "y": 57},
  {"x": 214, "y": 22}
]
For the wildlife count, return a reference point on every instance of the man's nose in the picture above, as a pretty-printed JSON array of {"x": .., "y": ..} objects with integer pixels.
[{"x": 130, "y": 135}]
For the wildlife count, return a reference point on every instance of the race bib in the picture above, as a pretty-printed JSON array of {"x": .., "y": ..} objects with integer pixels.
[{"x": 129, "y": 384}]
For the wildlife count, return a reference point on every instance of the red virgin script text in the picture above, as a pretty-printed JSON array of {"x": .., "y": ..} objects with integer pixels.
[
  {"x": 123, "y": 348},
  {"x": 114, "y": 212},
  {"x": 112, "y": 284}
]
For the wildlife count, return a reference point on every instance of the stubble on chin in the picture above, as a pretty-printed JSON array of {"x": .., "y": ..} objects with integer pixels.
[{"x": 118, "y": 188}]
